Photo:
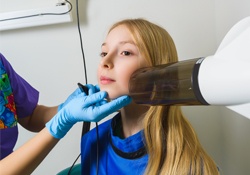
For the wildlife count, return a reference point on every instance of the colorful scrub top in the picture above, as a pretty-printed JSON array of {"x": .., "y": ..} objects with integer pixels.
[
  {"x": 115, "y": 155},
  {"x": 18, "y": 99}
]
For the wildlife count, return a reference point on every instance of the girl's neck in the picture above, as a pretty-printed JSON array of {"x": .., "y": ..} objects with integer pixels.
[{"x": 132, "y": 118}]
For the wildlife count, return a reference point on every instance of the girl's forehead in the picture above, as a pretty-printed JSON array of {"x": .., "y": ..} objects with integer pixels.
[
  {"x": 120, "y": 31},
  {"x": 118, "y": 35}
]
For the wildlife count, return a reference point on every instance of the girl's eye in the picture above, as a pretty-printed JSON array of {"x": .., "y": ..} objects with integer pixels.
[
  {"x": 103, "y": 54},
  {"x": 126, "y": 53}
]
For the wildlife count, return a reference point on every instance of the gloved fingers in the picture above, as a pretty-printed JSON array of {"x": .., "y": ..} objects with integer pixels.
[
  {"x": 97, "y": 88},
  {"x": 102, "y": 102},
  {"x": 95, "y": 98},
  {"x": 92, "y": 89},
  {"x": 113, "y": 106},
  {"x": 117, "y": 103},
  {"x": 72, "y": 95},
  {"x": 76, "y": 92}
]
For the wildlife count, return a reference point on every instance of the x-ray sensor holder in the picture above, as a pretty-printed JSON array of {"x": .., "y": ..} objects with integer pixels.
[{"x": 221, "y": 79}]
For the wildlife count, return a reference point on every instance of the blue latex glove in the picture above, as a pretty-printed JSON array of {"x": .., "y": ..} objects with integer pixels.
[
  {"x": 91, "y": 108},
  {"x": 74, "y": 94},
  {"x": 91, "y": 89}
]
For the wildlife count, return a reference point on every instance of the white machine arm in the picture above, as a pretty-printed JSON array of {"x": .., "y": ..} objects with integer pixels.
[
  {"x": 224, "y": 78},
  {"x": 221, "y": 79}
]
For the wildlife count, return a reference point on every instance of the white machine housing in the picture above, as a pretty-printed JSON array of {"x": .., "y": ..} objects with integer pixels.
[
  {"x": 221, "y": 79},
  {"x": 224, "y": 78}
]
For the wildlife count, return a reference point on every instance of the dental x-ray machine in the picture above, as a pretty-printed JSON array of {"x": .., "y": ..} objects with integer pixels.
[{"x": 221, "y": 79}]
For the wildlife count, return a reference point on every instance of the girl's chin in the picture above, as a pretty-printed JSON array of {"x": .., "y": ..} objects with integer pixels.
[{"x": 112, "y": 96}]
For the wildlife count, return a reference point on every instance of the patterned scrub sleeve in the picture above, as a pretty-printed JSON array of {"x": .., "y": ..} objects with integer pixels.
[{"x": 8, "y": 116}]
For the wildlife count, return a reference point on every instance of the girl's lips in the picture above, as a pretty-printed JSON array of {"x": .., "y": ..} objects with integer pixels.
[{"x": 105, "y": 80}]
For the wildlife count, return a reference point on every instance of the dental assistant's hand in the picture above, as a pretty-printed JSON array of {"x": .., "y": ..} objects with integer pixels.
[
  {"x": 91, "y": 108},
  {"x": 91, "y": 89},
  {"x": 70, "y": 97}
]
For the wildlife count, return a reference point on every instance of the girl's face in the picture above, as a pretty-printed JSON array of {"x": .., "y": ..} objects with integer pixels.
[{"x": 120, "y": 58}]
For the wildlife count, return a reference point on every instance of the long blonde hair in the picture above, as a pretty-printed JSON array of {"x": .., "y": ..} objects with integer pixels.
[{"x": 172, "y": 144}]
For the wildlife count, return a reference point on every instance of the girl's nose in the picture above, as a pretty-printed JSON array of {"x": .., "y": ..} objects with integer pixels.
[{"x": 107, "y": 62}]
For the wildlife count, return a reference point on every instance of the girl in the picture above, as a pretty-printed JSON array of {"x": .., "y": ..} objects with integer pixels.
[{"x": 141, "y": 139}]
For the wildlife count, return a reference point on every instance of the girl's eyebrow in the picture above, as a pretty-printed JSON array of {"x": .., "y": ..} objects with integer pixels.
[
  {"x": 125, "y": 42},
  {"x": 122, "y": 43}
]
